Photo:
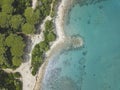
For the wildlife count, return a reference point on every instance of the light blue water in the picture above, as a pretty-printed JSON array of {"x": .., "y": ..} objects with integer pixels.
[{"x": 96, "y": 66}]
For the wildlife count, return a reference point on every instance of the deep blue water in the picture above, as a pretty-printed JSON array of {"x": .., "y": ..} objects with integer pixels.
[{"x": 96, "y": 66}]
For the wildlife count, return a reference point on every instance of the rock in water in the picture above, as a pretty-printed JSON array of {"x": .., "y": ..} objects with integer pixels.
[{"x": 74, "y": 42}]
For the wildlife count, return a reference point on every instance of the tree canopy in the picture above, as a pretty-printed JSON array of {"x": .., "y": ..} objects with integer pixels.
[
  {"x": 7, "y": 9},
  {"x": 7, "y": 2},
  {"x": 2, "y": 49},
  {"x": 28, "y": 28},
  {"x": 9, "y": 82},
  {"x": 44, "y": 46},
  {"x": 2, "y": 59},
  {"x": 16, "y": 22},
  {"x": 4, "y": 20},
  {"x": 17, "y": 61},
  {"x": 16, "y": 44},
  {"x": 51, "y": 37},
  {"x": 2, "y": 44},
  {"x": 32, "y": 16}
]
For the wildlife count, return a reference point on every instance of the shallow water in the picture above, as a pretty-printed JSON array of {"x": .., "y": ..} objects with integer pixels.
[{"x": 96, "y": 66}]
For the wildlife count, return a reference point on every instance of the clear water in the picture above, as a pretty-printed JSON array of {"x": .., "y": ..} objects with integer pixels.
[{"x": 96, "y": 66}]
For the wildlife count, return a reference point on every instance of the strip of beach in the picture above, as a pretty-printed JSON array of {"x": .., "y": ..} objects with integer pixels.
[
  {"x": 31, "y": 82},
  {"x": 58, "y": 44}
]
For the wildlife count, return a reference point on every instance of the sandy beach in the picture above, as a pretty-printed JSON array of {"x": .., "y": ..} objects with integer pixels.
[
  {"x": 31, "y": 82},
  {"x": 58, "y": 44}
]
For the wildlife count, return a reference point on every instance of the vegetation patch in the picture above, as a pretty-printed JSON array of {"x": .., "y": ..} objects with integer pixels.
[
  {"x": 10, "y": 81},
  {"x": 38, "y": 54},
  {"x": 44, "y": 6}
]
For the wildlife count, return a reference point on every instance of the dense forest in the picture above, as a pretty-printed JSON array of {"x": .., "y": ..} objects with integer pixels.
[
  {"x": 9, "y": 81},
  {"x": 18, "y": 20},
  {"x": 14, "y": 24},
  {"x": 13, "y": 27}
]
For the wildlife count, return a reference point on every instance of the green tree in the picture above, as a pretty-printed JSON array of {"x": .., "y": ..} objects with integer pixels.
[
  {"x": 28, "y": 13},
  {"x": 7, "y": 9},
  {"x": 4, "y": 20},
  {"x": 0, "y": 3},
  {"x": 49, "y": 25},
  {"x": 7, "y": 2},
  {"x": 17, "y": 50},
  {"x": 51, "y": 37},
  {"x": 2, "y": 44},
  {"x": 16, "y": 43},
  {"x": 2, "y": 59},
  {"x": 21, "y": 5},
  {"x": 28, "y": 28},
  {"x": 16, "y": 22},
  {"x": 17, "y": 61},
  {"x": 36, "y": 16},
  {"x": 44, "y": 46},
  {"x": 10, "y": 40},
  {"x": 2, "y": 49},
  {"x": 17, "y": 75},
  {"x": 32, "y": 16}
]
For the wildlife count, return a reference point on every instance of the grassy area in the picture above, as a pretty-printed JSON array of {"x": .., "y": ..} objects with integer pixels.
[{"x": 38, "y": 54}]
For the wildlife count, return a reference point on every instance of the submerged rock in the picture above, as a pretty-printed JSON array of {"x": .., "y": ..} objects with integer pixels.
[{"x": 74, "y": 42}]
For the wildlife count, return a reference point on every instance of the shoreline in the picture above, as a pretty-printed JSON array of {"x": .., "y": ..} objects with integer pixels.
[
  {"x": 31, "y": 82},
  {"x": 58, "y": 44}
]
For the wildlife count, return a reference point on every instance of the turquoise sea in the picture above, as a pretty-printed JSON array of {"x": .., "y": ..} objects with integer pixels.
[{"x": 96, "y": 65}]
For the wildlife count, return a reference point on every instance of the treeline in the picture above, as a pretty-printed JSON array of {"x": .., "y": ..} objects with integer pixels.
[
  {"x": 14, "y": 24},
  {"x": 11, "y": 50},
  {"x": 44, "y": 7}
]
